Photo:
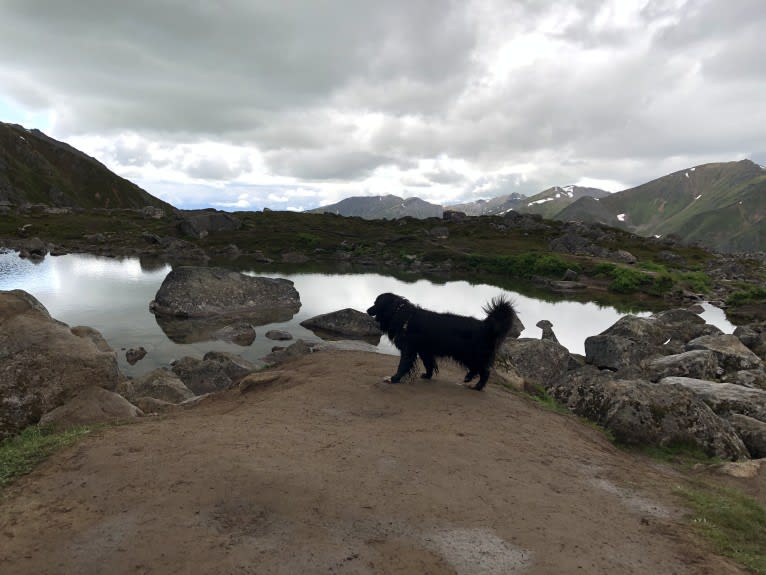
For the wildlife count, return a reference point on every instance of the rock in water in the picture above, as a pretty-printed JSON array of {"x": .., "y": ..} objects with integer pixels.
[
  {"x": 194, "y": 303},
  {"x": 199, "y": 292},
  {"x": 345, "y": 323}
]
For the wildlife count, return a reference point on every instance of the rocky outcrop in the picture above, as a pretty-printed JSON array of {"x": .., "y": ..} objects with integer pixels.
[
  {"x": 705, "y": 381},
  {"x": 345, "y": 323},
  {"x": 539, "y": 362},
  {"x": 92, "y": 405},
  {"x": 201, "y": 292},
  {"x": 724, "y": 398},
  {"x": 641, "y": 413},
  {"x": 682, "y": 325},
  {"x": 731, "y": 353},
  {"x": 43, "y": 364},
  {"x": 200, "y": 225}
]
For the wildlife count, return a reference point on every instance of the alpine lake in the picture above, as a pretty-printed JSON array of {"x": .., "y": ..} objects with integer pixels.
[{"x": 113, "y": 296}]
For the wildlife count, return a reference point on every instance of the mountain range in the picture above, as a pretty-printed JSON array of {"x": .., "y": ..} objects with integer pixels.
[
  {"x": 382, "y": 207},
  {"x": 36, "y": 169},
  {"x": 719, "y": 205}
]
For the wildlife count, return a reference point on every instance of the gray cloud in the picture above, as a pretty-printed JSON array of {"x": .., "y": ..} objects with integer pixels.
[{"x": 342, "y": 92}]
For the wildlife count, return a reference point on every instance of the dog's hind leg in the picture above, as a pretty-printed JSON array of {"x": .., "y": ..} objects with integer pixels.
[
  {"x": 470, "y": 375},
  {"x": 429, "y": 362},
  {"x": 406, "y": 362}
]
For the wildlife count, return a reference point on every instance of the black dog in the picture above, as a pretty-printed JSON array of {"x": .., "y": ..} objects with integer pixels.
[{"x": 417, "y": 331}]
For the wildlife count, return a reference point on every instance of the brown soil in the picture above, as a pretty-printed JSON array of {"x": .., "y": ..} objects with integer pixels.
[{"x": 327, "y": 470}]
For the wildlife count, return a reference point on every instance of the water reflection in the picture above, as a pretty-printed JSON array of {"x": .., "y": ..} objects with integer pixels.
[
  {"x": 113, "y": 297},
  {"x": 191, "y": 330}
]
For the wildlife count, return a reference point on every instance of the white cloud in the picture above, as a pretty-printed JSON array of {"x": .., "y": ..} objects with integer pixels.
[{"x": 203, "y": 103}]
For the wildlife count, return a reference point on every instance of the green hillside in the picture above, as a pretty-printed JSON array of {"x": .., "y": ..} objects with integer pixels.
[
  {"x": 37, "y": 169},
  {"x": 552, "y": 201},
  {"x": 719, "y": 205}
]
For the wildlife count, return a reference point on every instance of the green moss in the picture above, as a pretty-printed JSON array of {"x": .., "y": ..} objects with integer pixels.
[
  {"x": 754, "y": 294},
  {"x": 523, "y": 266}
]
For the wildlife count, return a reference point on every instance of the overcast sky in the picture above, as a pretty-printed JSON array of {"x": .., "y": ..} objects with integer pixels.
[{"x": 245, "y": 104}]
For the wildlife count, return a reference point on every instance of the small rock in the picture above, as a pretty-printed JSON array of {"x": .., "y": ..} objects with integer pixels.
[
  {"x": 255, "y": 380},
  {"x": 547, "y": 328},
  {"x": 570, "y": 275},
  {"x": 134, "y": 355},
  {"x": 239, "y": 333},
  {"x": 159, "y": 384},
  {"x": 279, "y": 335}
]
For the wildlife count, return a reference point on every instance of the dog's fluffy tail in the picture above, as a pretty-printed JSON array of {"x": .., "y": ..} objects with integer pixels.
[{"x": 500, "y": 314}]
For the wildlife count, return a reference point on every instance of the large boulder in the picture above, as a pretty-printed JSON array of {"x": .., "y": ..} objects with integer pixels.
[
  {"x": 724, "y": 398},
  {"x": 731, "y": 353},
  {"x": 754, "y": 337},
  {"x": 346, "y": 323},
  {"x": 683, "y": 325},
  {"x": 747, "y": 377},
  {"x": 197, "y": 303},
  {"x": 43, "y": 364},
  {"x": 626, "y": 344},
  {"x": 202, "y": 292},
  {"x": 752, "y": 432},
  {"x": 539, "y": 362},
  {"x": 700, "y": 363},
  {"x": 91, "y": 405},
  {"x": 641, "y": 413}
]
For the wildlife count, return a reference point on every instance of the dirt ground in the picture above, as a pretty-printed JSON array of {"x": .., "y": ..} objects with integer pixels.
[{"x": 328, "y": 470}]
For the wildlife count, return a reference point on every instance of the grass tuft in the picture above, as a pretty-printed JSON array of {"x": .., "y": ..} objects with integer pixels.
[
  {"x": 732, "y": 521},
  {"x": 21, "y": 453}
]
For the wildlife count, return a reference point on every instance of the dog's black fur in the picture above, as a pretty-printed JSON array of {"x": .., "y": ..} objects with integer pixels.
[{"x": 419, "y": 332}]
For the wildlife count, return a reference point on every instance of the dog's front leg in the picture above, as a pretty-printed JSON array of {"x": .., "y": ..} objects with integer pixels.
[
  {"x": 483, "y": 377},
  {"x": 406, "y": 362}
]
